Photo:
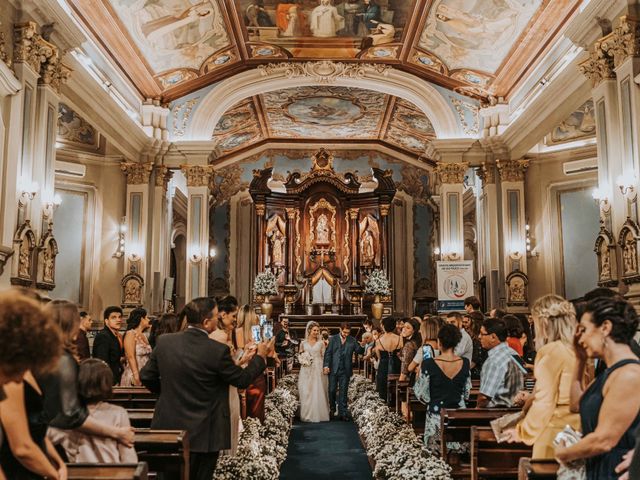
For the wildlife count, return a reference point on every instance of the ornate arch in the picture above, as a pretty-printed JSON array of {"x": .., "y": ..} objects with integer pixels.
[
  {"x": 605, "y": 248},
  {"x": 517, "y": 283},
  {"x": 24, "y": 243},
  {"x": 47, "y": 252},
  {"x": 288, "y": 75},
  {"x": 628, "y": 239},
  {"x": 132, "y": 289}
]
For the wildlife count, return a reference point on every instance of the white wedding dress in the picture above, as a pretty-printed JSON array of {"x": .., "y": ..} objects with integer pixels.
[{"x": 313, "y": 386}]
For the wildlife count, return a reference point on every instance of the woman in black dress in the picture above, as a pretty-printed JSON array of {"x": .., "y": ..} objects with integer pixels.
[
  {"x": 609, "y": 407},
  {"x": 387, "y": 348}
]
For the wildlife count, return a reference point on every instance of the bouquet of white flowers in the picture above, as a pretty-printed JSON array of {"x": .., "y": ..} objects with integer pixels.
[
  {"x": 305, "y": 359},
  {"x": 377, "y": 283},
  {"x": 265, "y": 284}
]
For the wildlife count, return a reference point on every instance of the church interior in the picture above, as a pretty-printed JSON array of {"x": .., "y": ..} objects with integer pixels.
[{"x": 153, "y": 152}]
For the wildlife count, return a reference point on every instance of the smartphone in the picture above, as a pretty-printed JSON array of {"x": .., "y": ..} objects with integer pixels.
[
  {"x": 427, "y": 352},
  {"x": 263, "y": 319},
  {"x": 255, "y": 333},
  {"x": 268, "y": 331}
]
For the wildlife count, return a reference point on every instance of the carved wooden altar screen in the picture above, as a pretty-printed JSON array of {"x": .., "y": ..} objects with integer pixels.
[{"x": 321, "y": 233}]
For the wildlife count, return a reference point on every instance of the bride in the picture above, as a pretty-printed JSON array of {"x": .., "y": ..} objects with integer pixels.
[{"x": 312, "y": 384}]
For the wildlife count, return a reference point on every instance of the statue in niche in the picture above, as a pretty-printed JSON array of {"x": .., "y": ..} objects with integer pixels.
[
  {"x": 277, "y": 248},
  {"x": 132, "y": 292},
  {"x": 517, "y": 292},
  {"x": 322, "y": 230},
  {"x": 49, "y": 265},
  {"x": 367, "y": 248},
  {"x": 630, "y": 254},
  {"x": 605, "y": 262},
  {"x": 24, "y": 259}
]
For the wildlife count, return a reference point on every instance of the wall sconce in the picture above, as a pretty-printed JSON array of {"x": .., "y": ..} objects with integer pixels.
[
  {"x": 196, "y": 255},
  {"x": 436, "y": 252},
  {"x": 134, "y": 254},
  {"x": 531, "y": 251},
  {"x": 122, "y": 230},
  {"x": 212, "y": 254},
  {"x": 626, "y": 184},
  {"x": 28, "y": 190},
  {"x": 51, "y": 205}
]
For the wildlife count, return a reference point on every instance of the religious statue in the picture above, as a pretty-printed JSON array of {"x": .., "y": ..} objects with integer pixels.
[
  {"x": 132, "y": 292},
  {"x": 322, "y": 230},
  {"x": 277, "y": 248},
  {"x": 367, "y": 249},
  {"x": 294, "y": 29},
  {"x": 49, "y": 265},
  {"x": 517, "y": 290},
  {"x": 629, "y": 254},
  {"x": 325, "y": 20},
  {"x": 24, "y": 259},
  {"x": 605, "y": 262}
]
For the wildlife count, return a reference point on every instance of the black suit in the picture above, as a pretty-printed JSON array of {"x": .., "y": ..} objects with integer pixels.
[
  {"x": 192, "y": 373},
  {"x": 106, "y": 346}
]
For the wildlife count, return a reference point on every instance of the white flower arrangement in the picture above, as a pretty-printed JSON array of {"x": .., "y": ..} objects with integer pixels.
[
  {"x": 265, "y": 284},
  {"x": 263, "y": 447},
  {"x": 305, "y": 359},
  {"x": 397, "y": 452},
  {"x": 377, "y": 283}
]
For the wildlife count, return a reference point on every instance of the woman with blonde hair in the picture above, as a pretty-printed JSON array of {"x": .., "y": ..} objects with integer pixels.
[
  {"x": 257, "y": 391},
  {"x": 548, "y": 409}
]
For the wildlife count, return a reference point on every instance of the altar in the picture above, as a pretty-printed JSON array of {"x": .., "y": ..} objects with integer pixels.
[{"x": 322, "y": 234}]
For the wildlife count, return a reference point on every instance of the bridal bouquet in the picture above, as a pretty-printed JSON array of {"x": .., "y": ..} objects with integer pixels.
[{"x": 305, "y": 359}]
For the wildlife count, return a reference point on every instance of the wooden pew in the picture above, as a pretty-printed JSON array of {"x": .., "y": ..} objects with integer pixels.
[
  {"x": 456, "y": 424},
  {"x": 392, "y": 380},
  {"x": 416, "y": 412},
  {"x": 140, "y": 417},
  {"x": 493, "y": 460},
  {"x": 133, "y": 398},
  {"x": 537, "y": 469},
  {"x": 401, "y": 395},
  {"x": 165, "y": 451},
  {"x": 91, "y": 471}
]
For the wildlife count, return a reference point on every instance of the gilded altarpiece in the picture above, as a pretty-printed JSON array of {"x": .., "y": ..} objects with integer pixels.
[{"x": 321, "y": 233}]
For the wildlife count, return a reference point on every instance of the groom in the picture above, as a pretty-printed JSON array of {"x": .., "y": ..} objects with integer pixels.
[{"x": 338, "y": 360}]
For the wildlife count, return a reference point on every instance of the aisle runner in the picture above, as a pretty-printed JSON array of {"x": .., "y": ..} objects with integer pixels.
[{"x": 327, "y": 450}]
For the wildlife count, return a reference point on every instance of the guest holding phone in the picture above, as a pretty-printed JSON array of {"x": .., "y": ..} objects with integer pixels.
[{"x": 286, "y": 344}]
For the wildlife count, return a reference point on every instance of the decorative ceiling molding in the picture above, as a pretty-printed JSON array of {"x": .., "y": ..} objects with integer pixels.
[
  {"x": 404, "y": 85},
  {"x": 325, "y": 71}
]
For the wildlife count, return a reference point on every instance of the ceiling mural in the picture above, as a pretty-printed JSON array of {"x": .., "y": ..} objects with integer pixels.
[
  {"x": 580, "y": 124},
  {"x": 171, "y": 48},
  {"x": 238, "y": 128},
  {"x": 475, "y": 34},
  {"x": 74, "y": 131},
  {"x": 324, "y": 113},
  {"x": 324, "y": 28}
]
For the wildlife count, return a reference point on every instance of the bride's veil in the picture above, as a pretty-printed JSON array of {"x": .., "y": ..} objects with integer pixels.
[{"x": 308, "y": 328}]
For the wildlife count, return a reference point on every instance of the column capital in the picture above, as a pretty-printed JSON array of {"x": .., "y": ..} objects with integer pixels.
[
  {"x": 451, "y": 172},
  {"x": 26, "y": 47},
  {"x": 600, "y": 65},
  {"x": 291, "y": 213},
  {"x": 487, "y": 173},
  {"x": 353, "y": 213},
  {"x": 52, "y": 71},
  {"x": 624, "y": 41},
  {"x": 512, "y": 170},
  {"x": 4, "y": 56},
  {"x": 260, "y": 209},
  {"x": 384, "y": 209},
  {"x": 197, "y": 175},
  {"x": 163, "y": 175},
  {"x": 137, "y": 173}
]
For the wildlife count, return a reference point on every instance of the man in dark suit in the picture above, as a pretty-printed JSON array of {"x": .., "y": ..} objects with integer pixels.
[
  {"x": 338, "y": 364},
  {"x": 192, "y": 373},
  {"x": 82, "y": 342},
  {"x": 108, "y": 344}
]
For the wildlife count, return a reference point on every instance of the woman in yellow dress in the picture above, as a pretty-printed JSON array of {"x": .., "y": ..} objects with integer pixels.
[{"x": 547, "y": 409}]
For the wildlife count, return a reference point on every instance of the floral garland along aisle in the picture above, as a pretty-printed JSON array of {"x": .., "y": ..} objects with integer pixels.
[
  {"x": 396, "y": 450},
  {"x": 263, "y": 448}
]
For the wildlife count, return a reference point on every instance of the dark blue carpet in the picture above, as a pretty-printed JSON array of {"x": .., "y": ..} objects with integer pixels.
[{"x": 327, "y": 450}]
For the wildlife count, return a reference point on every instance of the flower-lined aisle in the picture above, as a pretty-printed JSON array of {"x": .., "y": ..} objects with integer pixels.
[
  {"x": 397, "y": 452},
  {"x": 263, "y": 448}
]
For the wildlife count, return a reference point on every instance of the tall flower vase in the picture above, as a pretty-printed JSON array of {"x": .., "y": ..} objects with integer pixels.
[
  {"x": 266, "y": 307},
  {"x": 377, "y": 308}
]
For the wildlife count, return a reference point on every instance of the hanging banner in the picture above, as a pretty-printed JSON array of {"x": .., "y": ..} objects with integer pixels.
[{"x": 455, "y": 283}]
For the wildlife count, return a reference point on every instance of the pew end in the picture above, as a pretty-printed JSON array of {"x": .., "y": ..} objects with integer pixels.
[{"x": 107, "y": 471}]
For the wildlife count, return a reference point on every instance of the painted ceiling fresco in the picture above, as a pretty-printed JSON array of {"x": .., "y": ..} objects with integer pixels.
[
  {"x": 577, "y": 126},
  {"x": 331, "y": 113},
  {"x": 170, "y": 48}
]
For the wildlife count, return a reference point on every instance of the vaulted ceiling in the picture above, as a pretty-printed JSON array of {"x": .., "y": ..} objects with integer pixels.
[
  {"x": 169, "y": 48},
  {"x": 324, "y": 112}
]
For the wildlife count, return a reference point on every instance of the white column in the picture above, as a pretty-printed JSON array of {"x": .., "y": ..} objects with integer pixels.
[
  {"x": 489, "y": 245},
  {"x": 160, "y": 238},
  {"x": 451, "y": 209},
  {"x": 198, "y": 177}
]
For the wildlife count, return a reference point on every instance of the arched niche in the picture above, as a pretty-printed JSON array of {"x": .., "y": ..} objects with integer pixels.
[
  {"x": 628, "y": 241},
  {"x": 605, "y": 248},
  {"x": 24, "y": 244},
  {"x": 46, "y": 270},
  {"x": 257, "y": 81}
]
